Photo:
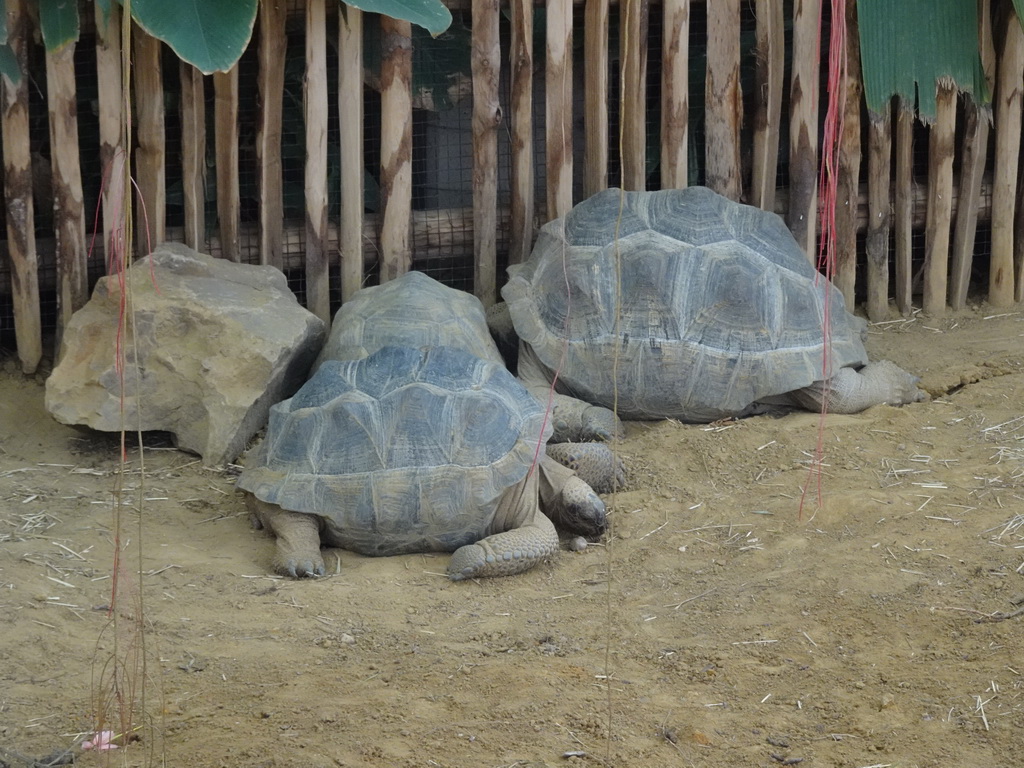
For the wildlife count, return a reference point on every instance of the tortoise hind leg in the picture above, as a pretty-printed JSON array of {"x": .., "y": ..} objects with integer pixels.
[{"x": 298, "y": 538}]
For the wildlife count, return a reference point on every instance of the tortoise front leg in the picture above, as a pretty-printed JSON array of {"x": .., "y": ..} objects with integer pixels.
[
  {"x": 852, "y": 391},
  {"x": 594, "y": 463},
  {"x": 506, "y": 553},
  {"x": 572, "y": 419},
  {"x": 523, "y": 536},
  {"x": 298, "y": 538}
]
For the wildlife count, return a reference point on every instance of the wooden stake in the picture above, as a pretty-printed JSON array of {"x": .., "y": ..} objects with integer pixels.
[
  {"x": 723, "y": 103},
  {"x": 877, "y": 241},
  {"x": 108, "y": 85},
  {"x": 193, "y": 155},
  {"x": 558, "y": 95},
  {"x": 522, "y": 203},
  {"x": 69, "y": 210},
  {"x": 1018, "y": 244},
  {"x": 396, "y": 147},
  {"x": 486, "y": 67},
  {"x": 803, "y": 127},
  {"x": 905, "y": 196},
  {"x": 940, "y": 200},
  {"x": 771, "y": 64},
  {"x": 350, "y": 118},
  {"x": 225, "y": 88},
  {"x": 633, "y": 94},
  {"x": 1008, "y": 100},
  {"x": 849, "y": 170},
  {"x": 21, "y": 239},
  {"x": 595, "y": 95},
  {"x": 273, "y": 44},
  {"x": 972, "y": 169},
  {"x": 318, "y": 295},
  {"x": 150, "y": 155}
]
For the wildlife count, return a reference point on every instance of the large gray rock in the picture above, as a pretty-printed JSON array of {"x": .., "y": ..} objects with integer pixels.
[{"x": 216, "y": 344}]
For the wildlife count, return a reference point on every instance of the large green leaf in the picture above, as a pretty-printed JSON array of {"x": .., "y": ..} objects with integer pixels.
[
  {"x": 59, "y": 22},
  {"x": 908, "y": 47},
  {"x": 9, "y": 64},
  {"x": 209, "y": 34},
  {"x": 429, "y": 14}
]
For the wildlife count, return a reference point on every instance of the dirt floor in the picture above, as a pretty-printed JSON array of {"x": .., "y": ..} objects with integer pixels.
[{"x": 720, "y": 625}]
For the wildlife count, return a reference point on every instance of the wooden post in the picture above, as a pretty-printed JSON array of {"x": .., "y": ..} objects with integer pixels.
[
  {"x": 848, "y": 187},
  {"x": 69, "y": 210},
  {"x": 521, "y": 235},
  {"x": 318, "y": 296},
  {"x": 633, "y": 92},
  {"x": 108, "y": 84},
  {"x": 595, "y": 95},
  {"x": 675, "y": 94},
  {"x": 940, "y": 200},
  {"x": 350, "y": 119},
  {"x": 1018, "y": 244},
  {"x": 1008, "y": 98},
  {"x": 558, "y": 95},
  {"x": 972, "y": 168},
  {"x": 803, "y": 127},
  {"x": 150, "y": 156},
  {"x": 903, "y": 208},
  {"x": 225, "y": 88},
  {"x": 771, "y": 64},
  {"x": 486, "y": 67},
  {"x": 193, "y": 155},
  {"x": 723, "y": 103},
  {"x": 273, "y": 44},
  {"x": 877, "y": 242},
  {"x": 396, "y": 147},
  {"x": 21, "y": 238}
]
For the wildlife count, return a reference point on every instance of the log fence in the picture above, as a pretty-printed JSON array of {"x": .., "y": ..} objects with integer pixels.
[{"x": 886, "y": 192}]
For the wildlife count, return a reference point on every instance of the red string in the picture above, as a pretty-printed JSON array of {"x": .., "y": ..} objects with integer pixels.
[{"x": 828, "y": 184}]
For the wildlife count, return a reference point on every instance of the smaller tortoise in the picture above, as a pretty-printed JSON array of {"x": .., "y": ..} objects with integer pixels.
[
  {"x": 412, "y": 447},
  {"x": 683, "y": 304}
]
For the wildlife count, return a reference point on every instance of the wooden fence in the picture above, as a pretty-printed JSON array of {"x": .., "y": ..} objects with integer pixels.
[{"x": 881, "y": 193}]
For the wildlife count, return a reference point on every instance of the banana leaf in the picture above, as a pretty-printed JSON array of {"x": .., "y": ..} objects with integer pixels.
[
  {"x": 59, "y": 22},
  {"x": 908, "y": 48}
]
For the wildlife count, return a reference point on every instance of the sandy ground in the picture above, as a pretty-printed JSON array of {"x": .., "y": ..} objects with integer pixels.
[{"x": 720, "y": 624}]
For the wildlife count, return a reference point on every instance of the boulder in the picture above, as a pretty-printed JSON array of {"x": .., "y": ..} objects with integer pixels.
[{"x": 213, "y": 345}]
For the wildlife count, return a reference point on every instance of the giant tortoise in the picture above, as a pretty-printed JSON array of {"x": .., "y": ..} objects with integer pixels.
[
  {"x": 683, "y": 304},
  {"x": 411, "y": 436}
]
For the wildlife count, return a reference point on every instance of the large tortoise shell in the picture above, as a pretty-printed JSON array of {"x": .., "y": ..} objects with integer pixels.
[{"x": 708, "y": 305}]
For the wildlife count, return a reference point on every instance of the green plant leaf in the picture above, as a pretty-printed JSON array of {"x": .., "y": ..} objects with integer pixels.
[
  {"x": 9, "y": 64},
  {"x": 209, "y": 34},
  {"x": 59, "y": 22},
  {"x": 909, "y": 50},
  {"x": 429, "y": 14}
]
